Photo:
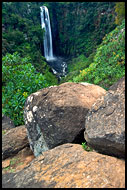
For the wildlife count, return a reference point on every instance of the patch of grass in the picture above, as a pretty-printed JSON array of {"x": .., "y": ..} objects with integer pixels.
[
  {"x": 108, "y": 64},
  {"x": 7, "y": 168},
  {"x": 3, "y": 132},
  {"x": 13, "y": 161},
  {"x": 20, "y": 163},
  {"x": 87, "y": 148},
  {"x": 11, "y": 167},
  {"x": 12, "y": 170}
]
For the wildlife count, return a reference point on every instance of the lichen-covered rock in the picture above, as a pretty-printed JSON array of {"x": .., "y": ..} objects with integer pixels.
[
  {"x": 14, "y": 141},
  {"x": 105, "y": 122},
  {"x": 69, "y": 166},
  {"x": 56, "y": 115}
]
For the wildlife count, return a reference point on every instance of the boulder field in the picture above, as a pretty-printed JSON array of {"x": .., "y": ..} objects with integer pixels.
[
  {"x": 105, "y": 122},
  {"x": 55, "y": 119},
  {"x": 13, "y": 141},
  {"x": 56, "y": 115},
  {"x": 69, "y": 166}
]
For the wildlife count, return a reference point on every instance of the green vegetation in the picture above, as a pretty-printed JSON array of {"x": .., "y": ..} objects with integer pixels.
[
  {"x": 7, "y": 168},
  {"x": 90, "y": 34},
  {"x": 77, "y": 27},
  {"x": 82, "y": 63},
  {"x": 3, "y": 132},
  {"x": 82, "y": 25},
  {"x": 109, "y": 61},
  {"x": 22, "y": 31},
  {"x": 14, "y": 161},
  {"x": 76, "y": 65},
  {"x": 86, "y": 147},
  {"x": 20, "y": 79},
  {"x": 120, "y": 12}
]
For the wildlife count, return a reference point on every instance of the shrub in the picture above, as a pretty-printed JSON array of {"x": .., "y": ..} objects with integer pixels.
[
  {"x": 120, "y": 12},
  {"x": 78, "y": 63},
  {"x": 109, "y": 61},
  {"x": 86, "y": 147},
  {"x": 19, "y": 79}
]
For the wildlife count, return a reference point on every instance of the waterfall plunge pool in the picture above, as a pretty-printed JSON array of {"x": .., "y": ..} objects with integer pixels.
[{"x": 59, "y": 66}]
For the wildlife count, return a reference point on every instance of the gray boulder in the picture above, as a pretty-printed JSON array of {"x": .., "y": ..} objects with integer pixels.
[
  {"x": 105, "y": 122},
  {"x": 7, "y": 123},
  {"x": 117, "y": 85},
  {"x": 56, "y": 115}
]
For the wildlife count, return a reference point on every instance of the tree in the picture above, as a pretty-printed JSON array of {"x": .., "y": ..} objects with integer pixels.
[{"x": 120, "y": 12}]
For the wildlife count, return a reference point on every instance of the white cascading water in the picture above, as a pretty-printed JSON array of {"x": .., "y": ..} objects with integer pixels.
[
  {"x": 57, "y": 64},
  {"x": 45, "y": 24}
]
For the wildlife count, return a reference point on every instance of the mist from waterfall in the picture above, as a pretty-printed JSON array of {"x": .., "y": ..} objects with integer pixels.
[{"x": 45, "y": 24}]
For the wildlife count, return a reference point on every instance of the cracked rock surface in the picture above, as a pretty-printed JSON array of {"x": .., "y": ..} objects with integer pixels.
[
  {"x": 56, "y": 115},
  {"x": 69, "y": 166},
  {"x": 105, "y": 122},
  {"x": 14, "y": 141}
]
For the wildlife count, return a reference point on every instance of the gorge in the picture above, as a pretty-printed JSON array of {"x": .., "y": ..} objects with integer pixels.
[
  {"x": 87, "y": 44},
  {"x": 57, "y": 64},
  {"x": 63, "y": 94}
]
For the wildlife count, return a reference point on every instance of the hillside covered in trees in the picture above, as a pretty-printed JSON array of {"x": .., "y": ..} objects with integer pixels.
[{"x": 89, "y": 35}]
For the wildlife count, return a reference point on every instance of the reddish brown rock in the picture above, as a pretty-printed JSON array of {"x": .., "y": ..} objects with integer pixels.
[
  {"x": 69, "y": 166},
  {"x": 105, "y": 122},
  {"x": 14, "y": 141},
  {"x": 56, "y": 115},
  {"x": 18, "y": 161},
  {"x": 5, "y": 163}
]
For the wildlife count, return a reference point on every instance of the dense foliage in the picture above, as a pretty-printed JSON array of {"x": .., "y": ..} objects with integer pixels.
[
  {"x": 19, "y": 79},
  {"x": 22, "y": 31},
  {"x": 120, "y": 12},
  {"x": 82, "y": 25},
  {"x": 90, "y": 34},
  {"x": 109, "y": 61},
  {"x": 77, "y": 27}
]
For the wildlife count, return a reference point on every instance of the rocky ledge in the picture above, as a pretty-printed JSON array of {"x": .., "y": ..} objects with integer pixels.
[
  {"x": 54, "y": 118},
  {"x": 69, "y": 166}
]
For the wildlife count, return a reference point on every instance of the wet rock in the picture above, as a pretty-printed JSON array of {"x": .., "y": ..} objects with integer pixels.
[
  {"x": 56, "y": 115},
  {"x": 14, "y": 141},
  {"x": 69, "y": 166},
  {"x": 105, "y": 122}
]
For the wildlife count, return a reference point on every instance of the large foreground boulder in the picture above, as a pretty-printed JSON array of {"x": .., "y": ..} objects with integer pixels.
[
  {"x": 69, "y": 166},
  {"x": 105, "y": 123},
  {"x": 56, "y": 115},
  {"x": 14, "y": 141}
]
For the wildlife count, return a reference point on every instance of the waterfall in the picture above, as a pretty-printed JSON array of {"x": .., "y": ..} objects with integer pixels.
[
  {"x": 58, "y": 66},
  {"x": 45, "y": 24}
]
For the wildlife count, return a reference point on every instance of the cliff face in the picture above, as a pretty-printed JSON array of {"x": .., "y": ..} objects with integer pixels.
[{"x": 78, "y": 27}]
